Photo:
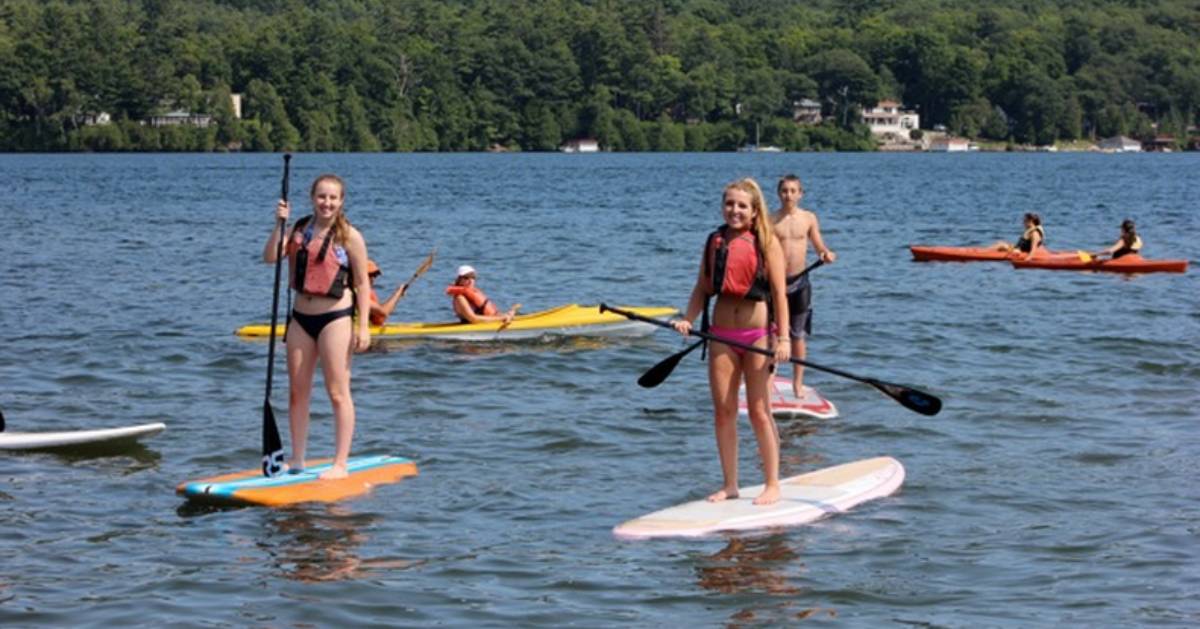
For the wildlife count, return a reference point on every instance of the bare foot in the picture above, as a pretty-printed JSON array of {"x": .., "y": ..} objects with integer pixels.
[
  {"x": 770, "y": 495},
  {"x": 293, "y": 467},
  {"x": 724, "y": 494},
  {"x": 333, "y": 473},
  {"x": 800, "y": 391}
]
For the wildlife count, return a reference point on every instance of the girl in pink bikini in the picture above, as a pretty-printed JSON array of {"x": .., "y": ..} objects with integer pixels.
[{"x": 743, "y": 266}]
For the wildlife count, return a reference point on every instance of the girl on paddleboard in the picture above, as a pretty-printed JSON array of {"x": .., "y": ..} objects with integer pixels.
[
  {"x": 743, "y": 266},
  {"x": 327, "y": 267}
]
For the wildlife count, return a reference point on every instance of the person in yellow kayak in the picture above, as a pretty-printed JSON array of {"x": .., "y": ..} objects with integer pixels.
[
  {"x": 1032, "y": 240},
  {"x": 471, "y": 304},
  {"x": 380, "y": 311},
  {"x": 1128, "y": 244}
]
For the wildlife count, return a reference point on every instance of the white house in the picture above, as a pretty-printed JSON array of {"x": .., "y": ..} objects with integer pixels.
[
  {"x": 1120, "y": 144},
  {"x": 582, "y": 145},
  {"x": 950, "y": 145},
  {"x": 180, "y": 118},
  {"x": 887, "y": 119},
  {"x": 806, "y": 111}
]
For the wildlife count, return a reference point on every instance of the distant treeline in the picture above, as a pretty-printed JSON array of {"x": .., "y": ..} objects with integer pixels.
[{"x": 666, "y": 75}]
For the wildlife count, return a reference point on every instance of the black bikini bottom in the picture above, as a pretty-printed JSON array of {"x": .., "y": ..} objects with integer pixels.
[{"x": 313, "y": 324}]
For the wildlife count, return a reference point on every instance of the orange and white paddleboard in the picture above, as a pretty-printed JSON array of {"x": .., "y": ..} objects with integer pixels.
[
  {"x": 252, "y": 488},
  {"x": 805, "y": 498},
  {"x": 785, "y": 404}
]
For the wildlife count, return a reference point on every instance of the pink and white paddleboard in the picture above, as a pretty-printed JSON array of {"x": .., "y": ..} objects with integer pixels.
[
  {"x": 785, "y": 404},
  {"x": 806, "y": 497}
]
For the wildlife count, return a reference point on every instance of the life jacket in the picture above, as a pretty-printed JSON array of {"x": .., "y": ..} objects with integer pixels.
[
  {"x": 475, "y": 297},
  {"x": 376, "y": 319},
  {"x": 313, "y": 271},
  {"x": 1128, "y": 249},
  {"x": 1025, "y": 244},
  {"x": 735, "y": 266}
]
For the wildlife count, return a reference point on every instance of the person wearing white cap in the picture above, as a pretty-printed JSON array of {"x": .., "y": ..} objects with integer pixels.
[{"x": 471, "y": 304}]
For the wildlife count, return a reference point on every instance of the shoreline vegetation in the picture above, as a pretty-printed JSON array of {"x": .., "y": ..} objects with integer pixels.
[{"x": 616, "y": 75}]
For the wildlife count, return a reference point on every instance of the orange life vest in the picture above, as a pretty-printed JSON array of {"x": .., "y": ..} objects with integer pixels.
[
  {"x": 313, "y": 270},
  {"x": 475, "y": 297},
  {"x": 735, "y": 265},
  {"x": 376, "y": 318}
]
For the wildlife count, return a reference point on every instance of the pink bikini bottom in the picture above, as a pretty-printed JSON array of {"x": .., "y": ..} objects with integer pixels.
[{"x": 745, "y": 336}]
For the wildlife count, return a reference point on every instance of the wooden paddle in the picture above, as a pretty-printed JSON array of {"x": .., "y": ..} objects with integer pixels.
[
  {"x": 912, "y": 399},
  {"x": 419, "y": 272},
  {"x": 272, "y": 445},
  {"x": 505, "y": 324},
  {"x": 655, "y": 375}
]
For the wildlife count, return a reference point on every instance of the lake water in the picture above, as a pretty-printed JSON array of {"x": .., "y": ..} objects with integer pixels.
[{"x": 1057, "y": 486}]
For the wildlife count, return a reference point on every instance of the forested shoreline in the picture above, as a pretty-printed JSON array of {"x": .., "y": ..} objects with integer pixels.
[{"x": 667, "y": 75}]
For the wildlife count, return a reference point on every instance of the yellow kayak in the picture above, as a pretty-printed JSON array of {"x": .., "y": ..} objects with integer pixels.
[{"x": 571, "y": 319}]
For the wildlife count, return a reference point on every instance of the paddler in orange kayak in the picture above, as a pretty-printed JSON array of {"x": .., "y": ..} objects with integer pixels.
[
  {"x": 471, "y": 304},
  {"x": 1032, "y": 240},
  {"x": 1128, "y": 244}
]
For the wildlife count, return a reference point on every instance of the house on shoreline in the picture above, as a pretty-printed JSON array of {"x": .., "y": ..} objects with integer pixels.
[
  {"x": 888, "y": 121},
  {"x": 581, "y": 145},
  {"x": 949, "y": 145},
  {"x": 1120, "y": 144}
]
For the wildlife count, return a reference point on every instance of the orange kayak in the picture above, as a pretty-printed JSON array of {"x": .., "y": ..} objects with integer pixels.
[
  {"x": 1125, "y": 264},
  {"x": 923, "y": 253}
]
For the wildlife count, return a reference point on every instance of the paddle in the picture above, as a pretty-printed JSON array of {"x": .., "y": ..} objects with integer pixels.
[
  {"x": 419, "y": 272},
  {"x": 505, "y": 324},
  {"x": 1, "y": 421},
  {"x": 912, "y": 399},
  {"x": 660, "y": 372},
  {"x": 272, "y": 446}
]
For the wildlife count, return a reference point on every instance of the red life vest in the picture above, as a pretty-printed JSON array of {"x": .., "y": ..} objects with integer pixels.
[
  {"x": 736, "y": 266},
  {"x": 475, "y": 297},
  {"x": 313, "y": 270}
]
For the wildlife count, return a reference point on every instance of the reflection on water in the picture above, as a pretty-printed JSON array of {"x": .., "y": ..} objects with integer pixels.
[
  {"x": 550, "y": 343},
  {"x": 794, "y": 455},
  {"x": 758, "y": 565},
  {"x": 751, "y": 564},
  {"x": 323, "y": 544},
  {"x": 130, "y": 456}
]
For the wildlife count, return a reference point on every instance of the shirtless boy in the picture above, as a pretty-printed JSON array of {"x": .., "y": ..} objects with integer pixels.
[{"x": 796, "y": 227}]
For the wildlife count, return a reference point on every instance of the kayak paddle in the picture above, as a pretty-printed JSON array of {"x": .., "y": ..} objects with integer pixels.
[
  {"x": 420, "y": 271},
  {"x": 272, "y": 446},
  {"x": 912, "y": 399},
  {"x": 655, "y": 375},
  {"x": 505, "y": 324}
]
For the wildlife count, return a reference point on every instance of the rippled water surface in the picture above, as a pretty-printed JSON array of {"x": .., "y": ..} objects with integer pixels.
[{"x": 1058, "y": 485}]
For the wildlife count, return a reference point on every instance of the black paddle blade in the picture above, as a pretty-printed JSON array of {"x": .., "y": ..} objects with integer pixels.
[
  {"x": 1, "y": 421},
  {"x": 660, "y": 372},
  {"x": 912, "y": 399},
  {"x": 272, "y": 460}
]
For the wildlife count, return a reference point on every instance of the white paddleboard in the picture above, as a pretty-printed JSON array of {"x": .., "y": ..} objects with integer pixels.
[
  {"x": 64, "y": 438},
  {"x": 785, "y": 404},
  {"x": 806, "y": 497}
]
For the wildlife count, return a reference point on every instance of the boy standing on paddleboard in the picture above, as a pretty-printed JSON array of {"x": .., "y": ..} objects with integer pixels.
[{"x": 796, "y": 227}]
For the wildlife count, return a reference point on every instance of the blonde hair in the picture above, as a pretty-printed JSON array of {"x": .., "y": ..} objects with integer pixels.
[
  {"x": 341, "y": 225},
  {"x": 763, "y": 233}
]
